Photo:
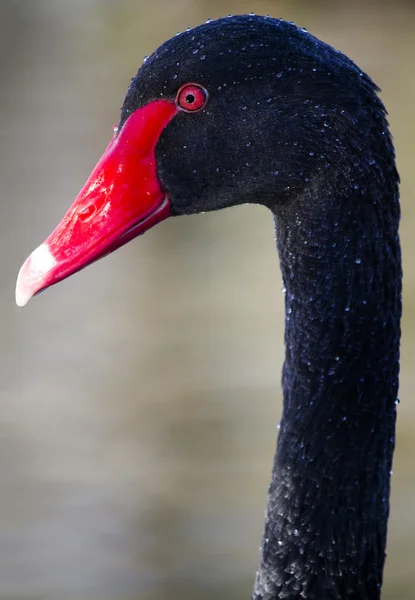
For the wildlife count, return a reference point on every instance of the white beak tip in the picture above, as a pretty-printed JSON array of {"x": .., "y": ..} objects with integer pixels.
[
  {"x": 31, "y": 277},
  {"x": 22, "y": 298}
]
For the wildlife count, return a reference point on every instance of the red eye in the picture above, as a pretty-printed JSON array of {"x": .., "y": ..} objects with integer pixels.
[{"x": 191, "y": 97}]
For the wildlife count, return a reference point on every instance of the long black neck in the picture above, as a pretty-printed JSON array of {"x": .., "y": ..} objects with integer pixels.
[{"x": 326, "y": 524}]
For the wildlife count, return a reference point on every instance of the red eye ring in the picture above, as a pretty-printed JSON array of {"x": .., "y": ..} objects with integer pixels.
[{"x": 191, "y": 97}]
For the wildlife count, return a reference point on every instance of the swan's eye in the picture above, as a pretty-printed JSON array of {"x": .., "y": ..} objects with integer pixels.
[{"x": 191, "y": 97}]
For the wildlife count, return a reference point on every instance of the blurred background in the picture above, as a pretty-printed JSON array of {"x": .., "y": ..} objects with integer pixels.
[{"x": 139, "y": 399}]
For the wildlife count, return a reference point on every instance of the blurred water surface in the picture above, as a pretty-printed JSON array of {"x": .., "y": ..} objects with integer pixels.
[{"x": 139, "y": 398}]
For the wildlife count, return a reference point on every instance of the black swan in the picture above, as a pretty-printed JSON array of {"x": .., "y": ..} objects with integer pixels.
[{"x": 255, "y": 109}]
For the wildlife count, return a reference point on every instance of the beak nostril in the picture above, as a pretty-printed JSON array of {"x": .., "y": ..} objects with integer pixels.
[{"x": 87, "y": 212}]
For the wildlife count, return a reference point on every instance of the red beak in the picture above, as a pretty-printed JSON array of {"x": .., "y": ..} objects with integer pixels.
[{"x": 121, "y": 199}]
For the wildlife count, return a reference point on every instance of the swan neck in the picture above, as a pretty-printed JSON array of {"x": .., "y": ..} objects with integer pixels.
[{"x": 328, "y": 507}]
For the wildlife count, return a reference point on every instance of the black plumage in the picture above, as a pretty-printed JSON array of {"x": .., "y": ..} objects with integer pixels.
[{"x": 295, "y": 125}]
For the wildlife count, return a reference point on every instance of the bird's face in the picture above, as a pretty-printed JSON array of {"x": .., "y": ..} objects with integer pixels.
[{"x": 233, "y": 111}]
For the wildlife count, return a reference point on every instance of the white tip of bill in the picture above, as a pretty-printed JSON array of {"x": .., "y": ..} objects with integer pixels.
[{"x": 31, "y": 277}]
